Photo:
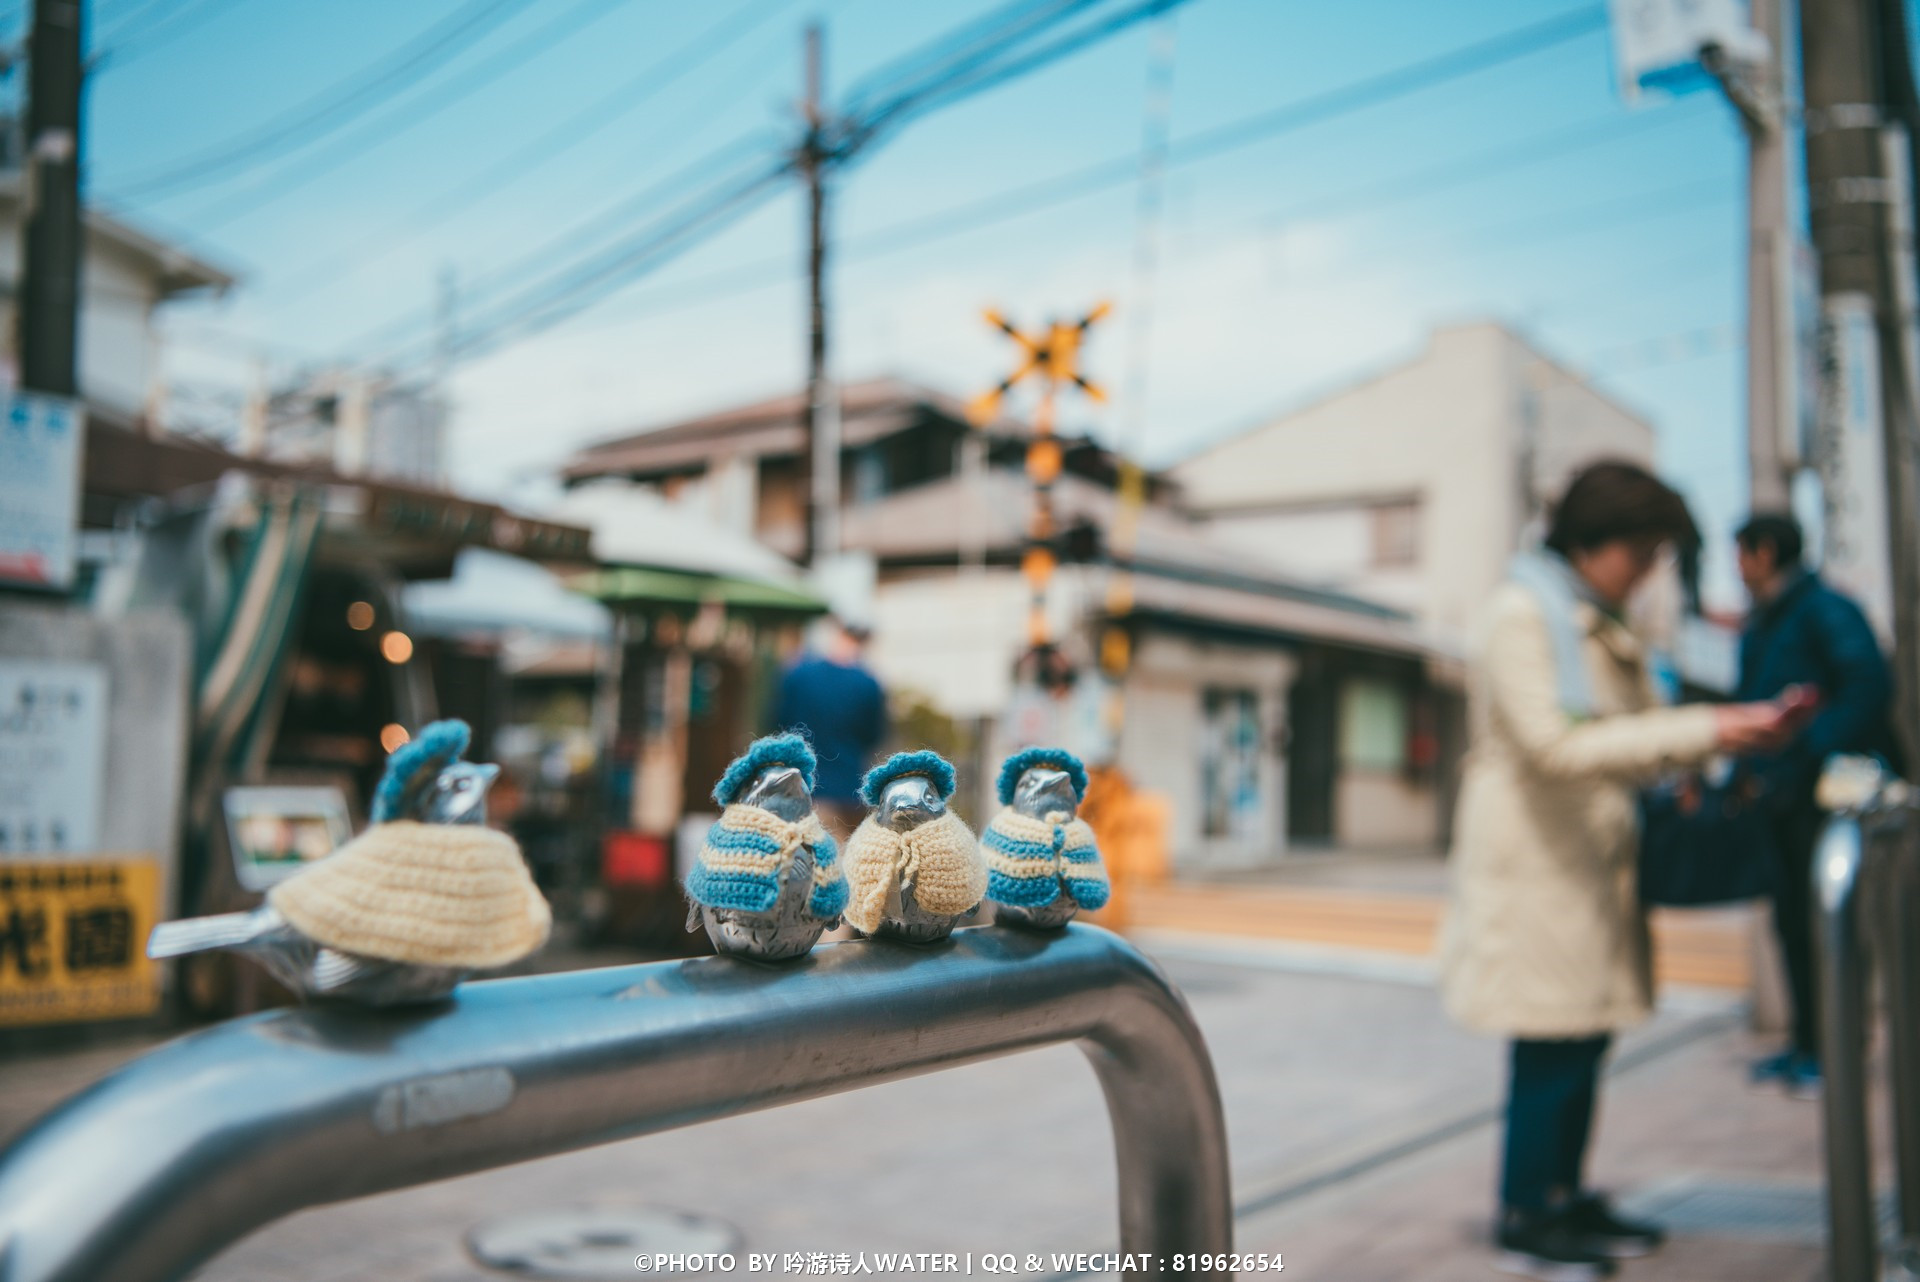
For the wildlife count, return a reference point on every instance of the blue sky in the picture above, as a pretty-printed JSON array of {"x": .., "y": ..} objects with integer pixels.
[{"x": 1284, "y": 270}]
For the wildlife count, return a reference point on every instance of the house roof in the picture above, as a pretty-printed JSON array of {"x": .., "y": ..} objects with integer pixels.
[{"x": 174, "y": 269}]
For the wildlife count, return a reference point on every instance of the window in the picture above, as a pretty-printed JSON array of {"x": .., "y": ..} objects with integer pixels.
[
  {"x": 1396, "y": 533},
  {"x": 1373, "y": 725},
  {"x": 1230, "y": 763}
]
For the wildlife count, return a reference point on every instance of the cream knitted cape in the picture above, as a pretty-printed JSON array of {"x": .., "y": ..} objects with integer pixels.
[
  {"x": 940, "y": 859},
  {"x": 430, "y": 894}
]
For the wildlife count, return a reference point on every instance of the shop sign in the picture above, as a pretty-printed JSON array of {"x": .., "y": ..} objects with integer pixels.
[
  {"x": 53, "y": 747},
  {"x": 39, "y": 488},
  {"x": 73, "y": 936}
]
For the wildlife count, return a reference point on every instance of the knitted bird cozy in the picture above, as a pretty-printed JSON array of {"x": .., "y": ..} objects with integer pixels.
[
  {"x": 430, "y": 894},
  {"x": 940, "y": 859},
  {"x": 1029, "y": 861},
  {"x": 746, "y": 849}
]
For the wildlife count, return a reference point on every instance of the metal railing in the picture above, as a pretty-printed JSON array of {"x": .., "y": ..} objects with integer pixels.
[
  {"x": 1866, "y": 882},
  {"x": 196, "y": 1144}
]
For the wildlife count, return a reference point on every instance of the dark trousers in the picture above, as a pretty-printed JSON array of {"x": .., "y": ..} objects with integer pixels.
[
  {"x": 1793, "y": 910},
  {"x": 1550, "y": 1098}
]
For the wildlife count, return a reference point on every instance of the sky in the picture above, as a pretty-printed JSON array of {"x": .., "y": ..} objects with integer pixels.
[{"x": 1285, "y": 268}]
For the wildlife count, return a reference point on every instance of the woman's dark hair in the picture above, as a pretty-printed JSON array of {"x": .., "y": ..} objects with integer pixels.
[
  {"x": 1617, "y": 500},
  {"x": 1774, "y": 530}
]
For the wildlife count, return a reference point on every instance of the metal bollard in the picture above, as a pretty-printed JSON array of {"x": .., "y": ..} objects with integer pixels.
[
  {"x": 1894, "y": 839},
  {"x": 1838, "y": 862},
  {"x": 186, "y": 1150}
]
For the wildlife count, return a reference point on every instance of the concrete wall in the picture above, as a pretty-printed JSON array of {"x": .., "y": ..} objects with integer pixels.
[{"x": 1381, "y": 810}]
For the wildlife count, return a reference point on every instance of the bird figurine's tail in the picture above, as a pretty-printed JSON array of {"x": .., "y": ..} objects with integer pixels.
[{"x": 203, "y": 934}]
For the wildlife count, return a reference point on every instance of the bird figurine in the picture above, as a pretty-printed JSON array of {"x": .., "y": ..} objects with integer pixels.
[
  {"x": 1042, "y": 863},
  {"x": 426, "y": 896},
  {"x": 767, "y": 882},
  {"x": 914, "y": 870}
]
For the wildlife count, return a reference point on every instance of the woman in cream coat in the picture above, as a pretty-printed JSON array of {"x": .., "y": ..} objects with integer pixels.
[{"x": 1545, "y": 941}]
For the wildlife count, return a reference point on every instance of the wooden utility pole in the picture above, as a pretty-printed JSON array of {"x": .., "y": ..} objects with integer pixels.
[
  {"x": 819, "y": 416},
  {"x": 47, "y": 322},
  {"x": 1859, "y": 199}
]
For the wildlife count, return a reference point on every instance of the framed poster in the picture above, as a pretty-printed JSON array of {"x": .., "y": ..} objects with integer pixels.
[
  {"x": 274, "y": 832},
  {"x": 53, "y": 753}
]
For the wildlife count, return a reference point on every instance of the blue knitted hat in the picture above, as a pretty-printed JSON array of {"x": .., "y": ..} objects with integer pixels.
[
  {"x": 931, "y": 764},
  {"x": 774, "y": 750},
  {"x": 1027, "y": 758},
  {"x": 417, "y": 763}
]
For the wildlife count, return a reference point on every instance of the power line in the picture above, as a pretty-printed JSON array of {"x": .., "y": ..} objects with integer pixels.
[
  {"x": 329, "y": 109},
  {"x": 405, "y": 116},
  {"x": 187, "y": 18},
  {"x": 548, "y": 146}
]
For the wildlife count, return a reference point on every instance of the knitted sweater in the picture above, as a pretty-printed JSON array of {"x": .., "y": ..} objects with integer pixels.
[
  {"x": 739, "y": 866},
  {"x": 940, "y": 859},
  {"x": 1030, "y": 861}
]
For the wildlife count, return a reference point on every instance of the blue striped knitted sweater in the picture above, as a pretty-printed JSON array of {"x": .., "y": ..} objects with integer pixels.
[
  {"x": 746, "y": 849},
  {"x": 1030, "y": 861}
]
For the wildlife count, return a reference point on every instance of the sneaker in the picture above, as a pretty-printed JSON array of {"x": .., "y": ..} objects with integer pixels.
[
  {"x": 1541, "y": 1244},
  {"x": 1772, "y": 1070},
  {"x": 1804, "y": 1079},
  {"x": 1598, "y": 1228}
]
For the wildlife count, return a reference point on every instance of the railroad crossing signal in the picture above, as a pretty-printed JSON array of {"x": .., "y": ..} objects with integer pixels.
[{"x": 1051, "y": 355}]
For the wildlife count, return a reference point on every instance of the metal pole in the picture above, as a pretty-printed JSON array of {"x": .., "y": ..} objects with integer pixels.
[
  {"x": 1769, "y": 304},
  {"x": 820, "y": 420},
  {"x": 1897, "y": 850},
  {"x": 49, "y": 312},
  {"x": 191, "y": 1147},
  {"x": 1851, "y": 1233}
]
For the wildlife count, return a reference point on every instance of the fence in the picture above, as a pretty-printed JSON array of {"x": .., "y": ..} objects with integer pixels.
[{"x": 198, "y": 1143}]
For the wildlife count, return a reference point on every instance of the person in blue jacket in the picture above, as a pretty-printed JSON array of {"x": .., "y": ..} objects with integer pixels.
[
  {"x": 1802, "y": 632},
  {"x": 831, "y": 697}
]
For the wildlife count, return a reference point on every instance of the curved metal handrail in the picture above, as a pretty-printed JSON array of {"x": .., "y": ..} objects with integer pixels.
[{"x": 198, "y": 1143}]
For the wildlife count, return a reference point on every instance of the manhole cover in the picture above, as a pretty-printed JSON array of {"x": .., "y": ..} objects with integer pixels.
[
  {"x": 1696, "y": 1206},
  {"x": 596, "y": 1244}
]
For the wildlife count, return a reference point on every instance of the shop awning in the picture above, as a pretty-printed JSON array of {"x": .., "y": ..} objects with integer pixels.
[{"x": 633, "y": 585}]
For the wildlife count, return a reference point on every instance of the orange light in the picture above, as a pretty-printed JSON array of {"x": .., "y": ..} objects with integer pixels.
[
  {"x": 1043, "y": 461},
  {"x": 1037, "y": 565},
  {"x": 360, "y": 616},
  {"x": 394, "y": 736},
  {"x": 396, "y": 647}
]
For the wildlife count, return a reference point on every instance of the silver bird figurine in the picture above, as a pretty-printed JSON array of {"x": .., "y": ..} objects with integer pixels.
[
  {"x": 425, "y": 781},
  {"x": 767, "y": 888},
  {"x": 909, "y": 793},
  {"x": 1044, "y": 786}
]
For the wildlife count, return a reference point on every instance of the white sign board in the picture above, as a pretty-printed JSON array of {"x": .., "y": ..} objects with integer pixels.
[
  {"x": 39, "y": 488},
  {"x": 1657, "y": 43},
  {"x": 53, "y": 751},
  {"x": 1850, "y": 454}
]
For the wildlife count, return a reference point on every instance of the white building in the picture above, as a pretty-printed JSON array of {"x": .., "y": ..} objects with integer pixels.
[
  {"x": 1414, "y": 486},
  {"x": 125, "y": 275}
]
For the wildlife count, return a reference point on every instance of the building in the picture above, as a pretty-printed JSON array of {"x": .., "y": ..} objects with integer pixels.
[
  {"x": 1415, "y": 486},
  {"x": 1225, "y": 646},
  {"x": 354, "y": 423},
  {"x": 125, "y": 275}
]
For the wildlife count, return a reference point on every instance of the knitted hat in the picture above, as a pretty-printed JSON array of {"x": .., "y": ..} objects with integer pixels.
[
  {"x": 774, "y": 750},
  {"x": 1059, "y": 758},
  {"x": 416, "y": 764},
  {"x": 931, "y": 764},
  {"x": 430, "y": 894}
]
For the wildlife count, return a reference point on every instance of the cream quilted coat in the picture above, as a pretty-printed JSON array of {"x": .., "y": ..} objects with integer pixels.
[{"x": 1545, "y": 936}]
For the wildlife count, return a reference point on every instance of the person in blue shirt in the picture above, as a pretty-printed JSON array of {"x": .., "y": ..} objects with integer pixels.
[
  {"x": 830, "y": 697},
  {"x": 1802, "y": 632}
]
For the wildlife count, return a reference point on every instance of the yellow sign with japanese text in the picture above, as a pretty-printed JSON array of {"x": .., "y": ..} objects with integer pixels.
[{"x": 73, "y": 939}]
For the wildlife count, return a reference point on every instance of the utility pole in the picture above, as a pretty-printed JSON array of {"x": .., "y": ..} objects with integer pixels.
[
  {"x": 1756, "y": 89},
  {"x": 820, "y": 415},
  {"x": 1858, "y": 198},
  {"x": 47, "y": 322}
]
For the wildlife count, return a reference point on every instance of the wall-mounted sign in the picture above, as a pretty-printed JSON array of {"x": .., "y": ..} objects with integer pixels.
[
  {"x": 53, "y": 746},
  {"x": 39, "y": 488},
  {"x": 73, "y": 936},
  {"x": 274, "y": 832}
]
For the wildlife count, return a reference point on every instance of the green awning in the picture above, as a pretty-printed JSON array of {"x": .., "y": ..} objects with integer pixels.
[{"x": 623, "y": 585}]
